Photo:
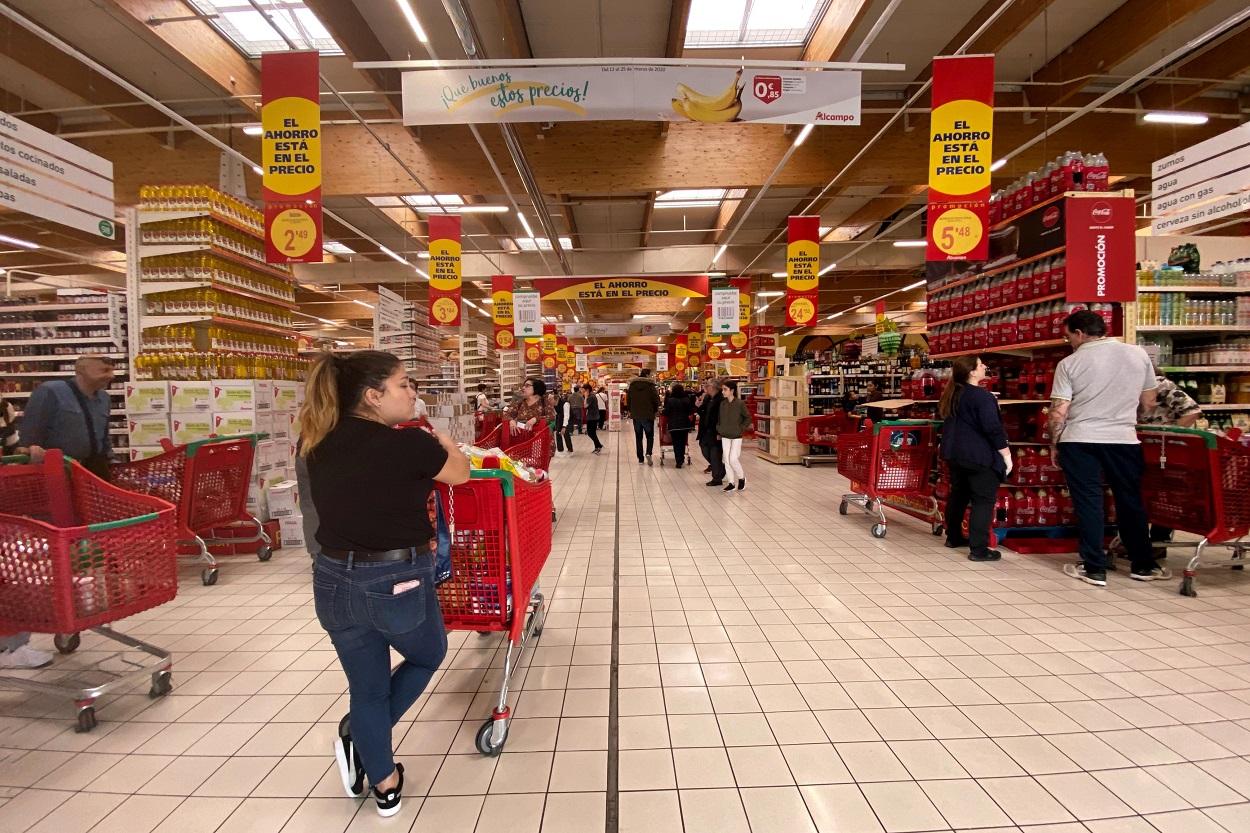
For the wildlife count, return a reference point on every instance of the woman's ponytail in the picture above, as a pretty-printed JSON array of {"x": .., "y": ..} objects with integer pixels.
[{"x": 320, "y": 412}]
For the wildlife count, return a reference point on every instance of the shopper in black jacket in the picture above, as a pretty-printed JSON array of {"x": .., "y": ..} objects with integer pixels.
[
  {"x": 679, "y": 412},
  {"x": 709, "y": 443},
  {"x": 592, "y": 417},
  {"x": 976, "y": 451}
]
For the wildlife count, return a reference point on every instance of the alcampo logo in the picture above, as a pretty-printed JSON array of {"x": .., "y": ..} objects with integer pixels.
[{"x": 842, "y": 117}]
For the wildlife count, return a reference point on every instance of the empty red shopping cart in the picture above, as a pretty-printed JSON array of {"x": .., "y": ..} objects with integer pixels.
[
  {"x": 820, "y": 435},
  {"x": 889, "y": 464}
]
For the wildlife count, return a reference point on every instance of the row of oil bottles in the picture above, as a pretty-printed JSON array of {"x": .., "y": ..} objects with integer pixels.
[
  {"x": 203, "y": 230},
  {"x": 205, "y": 266},
  {"x": 185, "y": 366},
  {"x": 216, "y": 339},
  {"x": 200, "y": 198},
  {"x": 212, "y": 302}
]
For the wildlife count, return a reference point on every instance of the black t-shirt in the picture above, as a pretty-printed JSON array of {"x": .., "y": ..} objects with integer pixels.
[{"x": 370, "y": 484}]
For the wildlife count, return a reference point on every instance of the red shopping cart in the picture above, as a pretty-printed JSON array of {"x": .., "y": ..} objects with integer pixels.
[
  {"x": 77, "y": 554},
  {"x": 889, "y": 464},
  {"x": 666, "y": 440},
  {"x": 820, "y": 434},
  {"x": 487, "y": 423},
  {"x": 533, "y": 448},
  {"x": 501, "y": 537},
  {"x": 208, "y": 482},
  {"x": 1198, "y": 482}
]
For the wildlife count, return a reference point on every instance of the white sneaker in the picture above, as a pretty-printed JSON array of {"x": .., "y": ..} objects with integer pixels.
[{"x": 25, "y": 657}]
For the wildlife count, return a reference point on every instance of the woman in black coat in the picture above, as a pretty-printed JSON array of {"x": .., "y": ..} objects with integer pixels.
[{"x": 679, "y": 413}]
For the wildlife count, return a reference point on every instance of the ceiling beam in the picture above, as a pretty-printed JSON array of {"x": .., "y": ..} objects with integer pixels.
[
  {"x": 1120, "y": 35},
  {"x": 1225, "y": 59},
  {"x": 14, "y": 103},
  {"x": 192, "y": 44},
  {"x": 726, "y": 214},
  {"x": 879, "y": 209},
  {"x": 833, "y": 30},
  {"x": 515, "y": 35},
  {"x": 490, "y": 222},
  {"x": 999, "y": 33},
  {"x": 73, "y": 76},
  {"x": 570, "y": 219},
  {"x": 648, "y": 214},
  {"x": 347, "y": 26}
]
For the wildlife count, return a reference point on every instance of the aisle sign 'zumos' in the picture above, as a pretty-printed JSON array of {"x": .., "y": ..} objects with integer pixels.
[
  {"x": 290, "y": 152},
  {"x": 444, "y": 270},
  {"x": 802, "y": 270},
  {"x": 501, "y": 311},
  {"x": 961, "y": 136}
]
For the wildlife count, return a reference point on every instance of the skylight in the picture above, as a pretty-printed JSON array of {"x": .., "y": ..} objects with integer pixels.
[
  {"x": 426, "y": 201},
  {"x": 727, "y": 23},
  {"x": 690, "y": 198},
  {"x": 334, "y": 247},
  {"x": 527, "y": 244},
  {"x": 251, "y": 33}
]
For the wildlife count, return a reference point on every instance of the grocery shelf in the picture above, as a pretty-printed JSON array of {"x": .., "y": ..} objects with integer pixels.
[
  {"x": 86, "y": 323},
  {"x": 1045, "y": 299},
  {"x": 1015, "y": 217},
  {"x": 40, "y": 342},
  {"x": 148, "y": 215},
  {"x": 1004, "y": 348},
  {"x": 65, "y": 357},
  {"x": 12, "y": 395},
  {"x": 49, "y": 375},
  {"x": 1183, "y": 328},
  {"x": 1232, "y": 406},
  {"x": 1215, "y": 368},
  {"x": 152, "y": 287},
  {"x": 147, "y": 321},
  {"x": 161, "y": 249},
  {"x": 53, "y": 307},
  {"x": 1215, "y": 290},
  {"x": 997, "y": 270}
]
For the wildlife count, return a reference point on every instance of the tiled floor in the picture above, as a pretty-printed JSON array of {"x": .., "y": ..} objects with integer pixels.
[{"x": 779, "y": 671}]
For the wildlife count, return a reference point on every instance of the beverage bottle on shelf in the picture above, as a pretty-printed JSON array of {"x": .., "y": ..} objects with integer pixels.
[
  {"x": 981, "y": 295},
  {"x": 980, "y": 331},
  {"x": 1030, "y": 466},
  {"x": 1097, "y": 172},
  {"x": 1010, "y": 329},
  {"x": 1056, "y": 176},
  {"x": 1073, "y": 171},
  {"x": 1047, "y": 472},
  {"x": 996, "y": 207},
  {"x": 1025, "y": 514},
  {"x": 1042, "y": 187},
  {"x": 1067, "y": 512},
  {"x": 1107, "y": 313}
]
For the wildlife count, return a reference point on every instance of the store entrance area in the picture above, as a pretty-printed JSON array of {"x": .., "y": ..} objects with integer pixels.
[{"x": 746, "y": 661}]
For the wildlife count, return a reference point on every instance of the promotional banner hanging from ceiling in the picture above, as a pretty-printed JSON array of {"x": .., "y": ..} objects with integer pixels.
[
  {"x": 526, "y": 314},
  {"x": 583, "y": 363},
  {"x": 713, "y": 352},
  {"x": 501, "y": 311},
  {"x": 802, "y": 270},
  {"x": 562, "y": 352},
  {"x": 1101, "y": 249},
  {"x": 549, "y": 339},
  {"x": 603, "y": 288},
  {"x": 533, "y": 351},
  {"x": 290, "y": 154},
  {"x": 681, "y": 354},
  {"x": 724, "y": 317},
  {"x": 961, "y": 132},
  {"x": 661, "y": 362},
  {"x": 712, "y": 95},
  {"x": 444, "y": 270},
  {"x": 694, "y": 344},
  {"x": 744, "y": 299}
]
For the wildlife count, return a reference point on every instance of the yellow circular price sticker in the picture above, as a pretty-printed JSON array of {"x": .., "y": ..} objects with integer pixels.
[
  {"x": 504, "y": 339},
  {"x": 957, "y": 232},
  {"x": 293, "y": 232},
  {"x": 738, "y": 340},
  {"x": 802, "y": 310},
  {"x": 444, "y": 310}
]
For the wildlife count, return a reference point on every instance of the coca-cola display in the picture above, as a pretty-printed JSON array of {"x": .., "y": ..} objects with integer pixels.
[{"x": 1072, "y": 171}]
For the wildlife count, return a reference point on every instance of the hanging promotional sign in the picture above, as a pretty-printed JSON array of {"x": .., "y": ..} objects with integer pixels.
[
  {"x": 738, "y": 341},
  {"x": 562, "y": 352},
  {"x": 661, "y": 362},
  {"x": 879, "y": 322},
  {"x": 533, "y": 351},
  {"x": 290, "y": 156},
  {"x": 583, "y": 363},
  {"x": 802, "y": 270},
  {"x": 708, "y": 335},
  {"x": 713, "y": 352},
  {"x": 961, "y": 132},
  {"x": 444, "y": 270},
  {"x": 681, "y": 353},
  {"x": 713, "y": 95},
  {"x": 618, "y": 289},
  {"x": 526, "y": 314},
  {"x": 1101, "y": 249},
  {"x": 743, "y": 286},
  {"x": 694, "y": 341},
  {"x": 501, "y": 311},
  {"x": 549, "y": 339},
  {"x": 725, "y": 318}
]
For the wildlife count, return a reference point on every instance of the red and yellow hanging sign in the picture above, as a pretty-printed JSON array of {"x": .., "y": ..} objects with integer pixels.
[
  {"x": 681, "y": 354},
  {"x": 738, "y": 341},
  {"x": 533, "y": 351},
  {"x": 694, "y": 344},
  {"x": 743, "y": 285},
  {"x": 961, "y": 131},
  {"x": 606, "y": 288},
  {"x": 562, "y": 352},
  {"x": 501, "y": 311},
  {"x": 444, "y": 270},
  {"x": 713, "y": 352},
  {"x": 802, "y": 270},
  {"x": 290, "y": 152},
  {"x": 880, "y": 323},
  {"x": 549, "y": 340}
]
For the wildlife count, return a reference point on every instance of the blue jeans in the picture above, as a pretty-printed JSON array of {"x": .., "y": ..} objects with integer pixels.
[
  {"x": 365, "y": 619},
  {"x": 644, "y": 427},
  {"x": 1085, "y": 465}
]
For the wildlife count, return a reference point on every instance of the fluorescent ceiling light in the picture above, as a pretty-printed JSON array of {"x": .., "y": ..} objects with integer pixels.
[
  {"x": 737, "y": 23},
  {"x": 531, "y": 244},
  {"x": 17, "y": 241},
  {"x": 761, "y": 309},
  {"x": 362, "y": 303},
  {"x": 831, "y": 317},
  {"x": 780, "y": 275},
  {"x": 525, "y": 224},
  {"x": 803, "y": 134},
  {"x": 252, "y": 34},
  {"x": 483, "y": 209},
  {"x": 424, "y": 255},
  {"x": 427, "y": 204},
  {"x": 770, "y": 294},
  {"x": 716, "y": 274},
  {"x": 915, "y": 285},
  {"x": 998, "y": 165},
  {"x": 638, "y": 315},
  {"x": 909, "y": 244},
  {"x": 488, "y": 301},
  {"x": 690, "y": 198},
  {"x": 827, "y": 270},
  {"x": 334, "y": 247},
  {"x": 410, "y": 15},
  {"x": 483, "y": 312},
  {"x": 685, "y": 300},
  {"x": 719, "y": 252},
  {"x": 1167, "y": 117},
  {"x": 790, "y": 332},
  {"x": 258, "y": 170},
  {"x": 253, "y": 130},
  {"x": 327, "y": 321},
  {"x": 577, "y": 320}
]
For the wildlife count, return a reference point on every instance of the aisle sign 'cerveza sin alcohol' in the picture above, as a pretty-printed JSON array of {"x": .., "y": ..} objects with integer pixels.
[
  {"x": 802, "y": 270},
  {"x": 1202, "y": 183},
  {"x": 290, "y": 149},
  {"x": 960, "y": 155},
  {"x": 713, "y": 95},
  {"x": 46, "y": 176},
  {"x": 444, "y": 270}
]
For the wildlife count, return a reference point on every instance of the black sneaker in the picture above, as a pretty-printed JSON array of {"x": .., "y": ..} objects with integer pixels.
[
  {"x": 742, "y": 484},
  {"x": 985, "y": 555},
  {"x": 350, "y": 768},
  {"x": 388, "y": 802},
  {"x": 712, "y": 483},
  {"x": 650, "y": 462},
  {"x": 1078, "y": 571},
  {"x": 729, "y": 487},
  {"x": 956, "y": 543},
  {"x": 1151, "y": 574}
]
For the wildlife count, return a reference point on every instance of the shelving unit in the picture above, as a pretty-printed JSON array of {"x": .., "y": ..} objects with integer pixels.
[
  {"x": 51, "y": 329},
  {"x": 511, "y": 372},
  {"x": 479, "y": 364},
  {"x": 416, "y": 344},
  {"x": 784, "y": 402}
]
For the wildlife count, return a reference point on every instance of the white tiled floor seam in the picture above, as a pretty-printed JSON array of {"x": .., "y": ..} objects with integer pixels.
[{"x": 779, "y": 671}]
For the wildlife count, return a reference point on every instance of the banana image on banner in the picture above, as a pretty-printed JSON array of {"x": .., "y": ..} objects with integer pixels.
[{"x": 726, "y": 106}]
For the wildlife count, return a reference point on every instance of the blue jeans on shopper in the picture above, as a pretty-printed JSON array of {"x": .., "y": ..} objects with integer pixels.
[
  {"x": 1086, "y": 466},
  {"x": 644, "y": 427},
  {"x": 357, "y": 606}
]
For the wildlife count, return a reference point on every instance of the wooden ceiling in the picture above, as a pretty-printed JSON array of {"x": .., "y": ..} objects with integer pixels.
[{"x": 599, "y": 180}]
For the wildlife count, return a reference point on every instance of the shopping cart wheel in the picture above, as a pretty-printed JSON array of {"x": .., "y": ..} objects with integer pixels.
[
  {"x": 264, "y": 553},
  {"x": 86, "y": 719},
  {"x": 162, "y": 684},
  {"x": 484, "y": 739},
  {"x": 209, "y": 577},
  {"x": 67, "y": 643},
  {"x": 1187, "y": 587},
  {"x": 878, "y": 530},
  {"x": 843, "y": 507}
]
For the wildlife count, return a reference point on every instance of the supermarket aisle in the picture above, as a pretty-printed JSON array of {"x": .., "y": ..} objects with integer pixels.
[{"x": 778, "y": 671}]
